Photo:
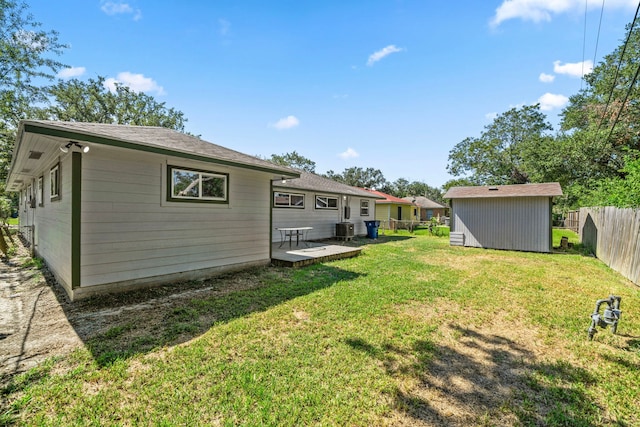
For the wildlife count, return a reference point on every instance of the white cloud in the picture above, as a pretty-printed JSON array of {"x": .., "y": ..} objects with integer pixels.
[
  {"x": 377, "y": 56},
  {"x": 349, "y": 154},
  {"x": 550, "y": 101},
  {"x": 286, "y": 123},
  {"x": 136, "y": 82},
  {"x": 224, "y": 27},
  {"x": 113, "y": 8},
  {"x": 546, "y": 78},
  {"x": 70, "y": 72},
  {"x": 543, "y": 10},
  {"x": 491, "y": 116},
  {"x": 573, "y": 69}
]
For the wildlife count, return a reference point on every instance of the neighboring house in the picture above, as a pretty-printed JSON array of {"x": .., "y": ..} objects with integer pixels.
[
  {"x": 321, "y": 203},
  {"x": 144, "y": 206},
  {"x": 428, "y": 208},
  {"x": 513, "y": 217},
  {"x": 391, "y": 209}
]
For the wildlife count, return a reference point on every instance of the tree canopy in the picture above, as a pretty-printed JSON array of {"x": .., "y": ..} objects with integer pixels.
[
  {"x": 500, "y": 154},
  {"x": 294, "y": 160},
  {"x": 595, "y": 153},
  {"x": 27, "y": 57},
  {"x": 92, "y": 101},
  {"x": 359, "y": 177}
]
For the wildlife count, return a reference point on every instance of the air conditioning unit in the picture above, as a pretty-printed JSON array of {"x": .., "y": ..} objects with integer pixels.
[{"x": 344, "y": 231}]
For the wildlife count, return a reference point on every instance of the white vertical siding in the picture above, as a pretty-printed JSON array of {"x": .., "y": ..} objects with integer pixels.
[
  {"x": 323, "y": 221},
  {"x": 522, "y": 223},
  {"x": 53, "y": 224},
  {"x": 130, "y": 232}
]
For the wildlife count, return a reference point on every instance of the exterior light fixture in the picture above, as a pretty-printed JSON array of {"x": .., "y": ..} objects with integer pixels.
[{"x": 65, "y": 148}]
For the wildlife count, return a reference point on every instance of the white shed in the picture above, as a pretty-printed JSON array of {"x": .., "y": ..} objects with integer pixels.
[
  {"x": 512, "y": 217},
  {"x": 144, "y": 206}
]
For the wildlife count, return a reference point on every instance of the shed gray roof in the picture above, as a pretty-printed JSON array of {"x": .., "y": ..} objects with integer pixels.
[
  {"x": 148, "y": 138},
  {"x": 548, "y": 189},
  {"x": 313, "y": 182},
  {"x": 424, "y": 202}
]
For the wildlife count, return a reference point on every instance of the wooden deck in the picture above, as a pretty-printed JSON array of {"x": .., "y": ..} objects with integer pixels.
[{"x": 315, "y": 252}]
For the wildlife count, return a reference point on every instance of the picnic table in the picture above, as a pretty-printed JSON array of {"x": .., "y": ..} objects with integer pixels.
[{"x": 299, "y": 232}]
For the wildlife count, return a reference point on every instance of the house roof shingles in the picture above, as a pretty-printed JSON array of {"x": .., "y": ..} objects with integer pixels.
[
  {"x": 424, "y": 202},
  {"x": 548, "y": 189},
  {"x": 152, "y": 137},
  {"x": 388, "y": 198},
  {"x": 312, "y": 182}
]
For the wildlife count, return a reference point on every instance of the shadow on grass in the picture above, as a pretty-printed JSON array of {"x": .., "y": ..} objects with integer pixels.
[
  {"x": 483, "y": 379},
  {"x": 119, "y": 326},
  {"x": 382, "y": 238}
]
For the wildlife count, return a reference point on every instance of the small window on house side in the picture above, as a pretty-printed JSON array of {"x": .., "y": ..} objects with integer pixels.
[
  {"x": 191, "y": 185},
  {"x": 54, "y": 176},
  {"x": 326, "y": 202},
  {"x": 288, "y": 200},
  {"x": 41, "y": 191},
  {"x": 364, "y": 208}
]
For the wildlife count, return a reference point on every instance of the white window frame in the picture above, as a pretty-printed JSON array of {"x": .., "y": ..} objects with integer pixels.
[
  {"x": 326, "y": 205},
  {"x": 40, "y": 191},
  {"x": 364, "y": 207},
  {"x": 55, "y": 182},
  {"x": 279, "y": 198}
]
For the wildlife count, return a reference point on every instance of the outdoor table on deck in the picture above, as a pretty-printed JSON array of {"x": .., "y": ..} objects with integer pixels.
[{"x": 299, "y": 232}]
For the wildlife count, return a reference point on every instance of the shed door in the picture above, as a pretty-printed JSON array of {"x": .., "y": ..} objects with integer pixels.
[{"x": 399, "y": 213}]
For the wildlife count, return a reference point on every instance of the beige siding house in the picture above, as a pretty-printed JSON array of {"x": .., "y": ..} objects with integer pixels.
[
  {"x": 512, "y": 217},
  {"x": 314, "y": 201},
  {"x": 144, "y": 206},
  {"x": 391, "y": 210}
]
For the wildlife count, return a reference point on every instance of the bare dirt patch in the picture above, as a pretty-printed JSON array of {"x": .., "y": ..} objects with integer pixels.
[{"x": 37, "y": 320}]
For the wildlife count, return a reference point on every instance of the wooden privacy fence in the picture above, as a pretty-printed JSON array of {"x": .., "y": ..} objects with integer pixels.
[
  {"x": 612, "y": 234},
  {"x": 572, "y": 220}
]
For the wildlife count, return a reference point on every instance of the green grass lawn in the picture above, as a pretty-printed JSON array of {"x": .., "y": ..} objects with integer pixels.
[{"x": 411, "y": 332}]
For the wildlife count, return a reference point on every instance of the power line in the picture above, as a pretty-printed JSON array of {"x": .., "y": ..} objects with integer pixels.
[
  {"x": 595, "y": 53},
  {"x": 633, "y": 82},
  {"x": 615, "y": 79}
]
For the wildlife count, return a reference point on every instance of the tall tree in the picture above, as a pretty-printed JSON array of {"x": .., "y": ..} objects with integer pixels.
[
  {"x": 27, "y": 58},
  {"x": 400, "y": 187},
  {"x": 418, "y": 188},
  {"x": 605, "y": 113},
  {"x": 601, "y": 138},
  {"x": 358, "y": 177},
  {"x": 92, "y": 101},
  {"x": 499, "y": 154},
  {"x": 294, "y": 160}
]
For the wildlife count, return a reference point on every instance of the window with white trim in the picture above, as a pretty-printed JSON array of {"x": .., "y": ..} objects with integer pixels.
[
  {"x": 41, "y": 191},
  {"x": 30, "y": 196},
  {"x": 288, "y": 200},
  {"x": 326, "y": 202},
  {"x": 364, "y": 208},
  {"x": 192, "y": 185},
  {"x": 54, "y": 178}
]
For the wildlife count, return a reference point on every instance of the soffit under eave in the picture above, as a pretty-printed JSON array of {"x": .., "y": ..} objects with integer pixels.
[{"x": 26, "y": 166}]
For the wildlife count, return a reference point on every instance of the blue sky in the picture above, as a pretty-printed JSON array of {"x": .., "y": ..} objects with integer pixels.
[{"x": 392, "y": 85}]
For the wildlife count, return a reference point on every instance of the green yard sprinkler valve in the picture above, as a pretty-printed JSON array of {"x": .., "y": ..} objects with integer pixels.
[{"x": 609, "y": 317}]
